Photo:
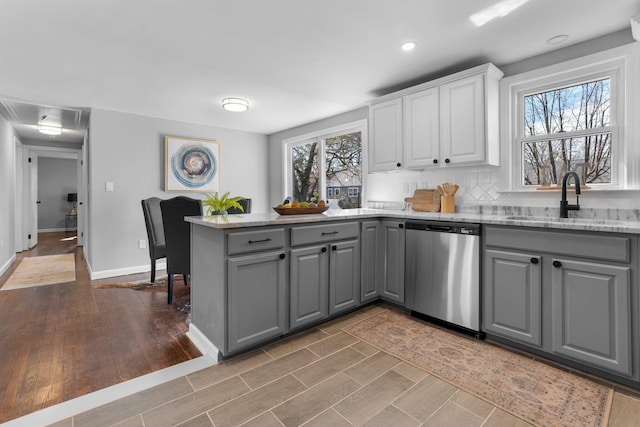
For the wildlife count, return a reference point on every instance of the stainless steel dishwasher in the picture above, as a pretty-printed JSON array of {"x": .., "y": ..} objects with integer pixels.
[{"x": 443, "y": 272}]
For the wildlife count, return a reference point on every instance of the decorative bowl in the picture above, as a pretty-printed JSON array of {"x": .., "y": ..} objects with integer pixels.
[{"x": 300, "y": 211}]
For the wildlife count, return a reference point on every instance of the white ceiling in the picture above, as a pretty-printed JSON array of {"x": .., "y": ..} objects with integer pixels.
[{"x": 296, "y": 61}]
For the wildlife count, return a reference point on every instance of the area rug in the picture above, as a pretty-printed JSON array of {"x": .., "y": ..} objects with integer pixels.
[
  {"x": 42, "y": 270},
  {"x": 533, "y": 391}
]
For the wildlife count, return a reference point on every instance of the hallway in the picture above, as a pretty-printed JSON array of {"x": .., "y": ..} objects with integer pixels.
[{"x": 65, "y": 340}]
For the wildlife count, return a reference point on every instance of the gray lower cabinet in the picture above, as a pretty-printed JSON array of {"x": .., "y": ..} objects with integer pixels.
[
  {"x": 324, "y": 276},
  {"x": 591, "y": 313},
  {"x": 567, "y": 294},
  {"x": 309, "y": 284},
  {"x": 257, "y": 289},
  {"x": 372, "y": 252},
  {"x": 513, "y": 295},
  {"x": 393, "y": 243}
]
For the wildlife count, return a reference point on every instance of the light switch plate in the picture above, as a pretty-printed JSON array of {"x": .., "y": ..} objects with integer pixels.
[{"x": 108, "y": 186}]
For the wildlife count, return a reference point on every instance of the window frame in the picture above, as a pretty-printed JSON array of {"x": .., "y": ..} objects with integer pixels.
[
  {"x": 611, "y": 64},
  {"x": 320, "y": 136}
]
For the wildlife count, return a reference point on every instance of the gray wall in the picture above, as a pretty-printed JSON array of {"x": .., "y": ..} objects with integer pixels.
[
  {"x": 56, "y": 178},
  {"x": 6, "y": 194},
  {"x": 128, "y": 150}
]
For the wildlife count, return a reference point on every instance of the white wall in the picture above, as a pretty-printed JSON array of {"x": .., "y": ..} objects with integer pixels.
[
  {"x": 128, "y": 150},
  {"x": 7, "y": 149}
]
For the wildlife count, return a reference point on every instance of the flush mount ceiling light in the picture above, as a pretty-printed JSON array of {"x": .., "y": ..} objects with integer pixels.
[
  {"x": 407, "y": 46},
  {"x": 49, "y": 130},
  {"x": 235, "y": 104},
  {"x": 558, "y": 39}
]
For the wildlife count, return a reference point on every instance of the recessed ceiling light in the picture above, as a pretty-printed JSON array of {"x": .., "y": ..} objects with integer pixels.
[
  {"x": 235, "y": 104},
  {"x": 406, "y": 46},
  {"x": 49, "y": 130},
  {"x": 558, "y": 39}
]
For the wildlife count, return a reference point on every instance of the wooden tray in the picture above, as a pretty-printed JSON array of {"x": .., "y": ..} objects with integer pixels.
[
  {"x": 300, "y": 211},
  {"x": 425, "y": 201}
]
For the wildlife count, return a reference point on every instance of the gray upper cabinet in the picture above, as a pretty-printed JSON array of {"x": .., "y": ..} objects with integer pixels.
[
  {"x": 513, "y": 295},
  {"x": 592, "y": 313},
  {"x": 393, "y": 243}
]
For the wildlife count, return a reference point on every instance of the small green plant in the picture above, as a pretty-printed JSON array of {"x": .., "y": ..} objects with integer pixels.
[{"x": 220, "y": 205}]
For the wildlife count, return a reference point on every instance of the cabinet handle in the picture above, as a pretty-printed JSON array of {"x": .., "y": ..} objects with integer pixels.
[
  {"x": 447, "y": 161},
  {"x": 534, "y": 260},
  {"x": 329, "y": 233},
  {"x": 268, "y": 239},
  {"x": 557, "y": 264},
  {"x": 334, "y": 248},
  {"x": 324, "y": 249},
  {"x": 400, "y": 225},
  {"x": 435, "y": 161},
  {"x": 282, "y": 256},
  {"x": 398, "y": 164}
]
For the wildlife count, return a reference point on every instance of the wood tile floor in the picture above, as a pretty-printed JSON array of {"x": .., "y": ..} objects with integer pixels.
[{"x": 320, "y": 377}]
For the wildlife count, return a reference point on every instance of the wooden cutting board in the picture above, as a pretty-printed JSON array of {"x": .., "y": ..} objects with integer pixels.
[{"x": 425, "y": 201}]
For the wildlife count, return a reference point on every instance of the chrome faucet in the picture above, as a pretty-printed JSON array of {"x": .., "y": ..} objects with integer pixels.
[{"x": 565, "y": 207}]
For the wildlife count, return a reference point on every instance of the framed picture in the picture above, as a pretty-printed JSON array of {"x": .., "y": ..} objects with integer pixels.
[{"x": 191, "y": 165}]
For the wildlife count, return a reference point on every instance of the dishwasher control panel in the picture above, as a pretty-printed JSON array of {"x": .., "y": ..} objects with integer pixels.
[{"x": 445, "y": 227}]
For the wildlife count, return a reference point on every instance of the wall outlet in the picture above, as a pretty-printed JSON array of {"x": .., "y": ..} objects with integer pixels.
[{"x": 142, "y": 244}]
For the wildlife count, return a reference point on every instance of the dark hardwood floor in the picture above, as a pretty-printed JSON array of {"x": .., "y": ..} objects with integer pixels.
[{"x": 62, "y": 341}]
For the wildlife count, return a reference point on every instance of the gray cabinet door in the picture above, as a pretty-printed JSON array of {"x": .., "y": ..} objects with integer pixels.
[
  {"x": 344, "y": 276},
  {"x": 591, "y": 313},
  {"x": 512, "y": 295},
  {"x": 256, "y": 293},
  {"x": 393, "y": 241},
  {"x": 309, "y": 285},
  {"x": 371, "y": 271}
]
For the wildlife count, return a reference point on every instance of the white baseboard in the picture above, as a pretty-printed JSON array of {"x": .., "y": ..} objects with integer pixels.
[
  {"x": 124, "y": 271},
  {"x": 205, "y": 346},
  {"x": 98, "y": 398},
  {"x": 7, "y": 264}
]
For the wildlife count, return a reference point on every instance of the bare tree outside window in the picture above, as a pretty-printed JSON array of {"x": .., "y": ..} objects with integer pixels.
[
  {"x": 567, "y": 129},
  {"x": 342, "y": 163}
]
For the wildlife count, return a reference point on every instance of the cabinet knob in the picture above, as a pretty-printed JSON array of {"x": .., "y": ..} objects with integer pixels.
[
  {"x": 435, "y": 161},
  {"x": 334, "y": 248},
  {"x": 282, "y": 256},
  {"x": 324, "y": 249},
  {"x": 398, "y": 164},
  {"x": 447, "y": 161},
  {"x": 557, "y": 264},
  {"x": 534, "y": 260},
  {"x": 400, "y": 225}
]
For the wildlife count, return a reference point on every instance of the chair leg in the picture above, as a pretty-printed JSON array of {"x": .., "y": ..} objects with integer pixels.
[
  {"x": 186, "y": 278},
  {"x": 170, "y": 288},
  {"x": 153, "y": 270}
]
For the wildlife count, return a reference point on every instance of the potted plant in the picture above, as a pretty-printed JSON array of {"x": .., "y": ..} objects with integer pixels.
[{"x": 219, "y": 205}]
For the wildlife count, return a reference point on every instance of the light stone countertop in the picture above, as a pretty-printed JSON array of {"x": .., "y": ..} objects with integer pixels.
[{"x": 271, "y": 219}]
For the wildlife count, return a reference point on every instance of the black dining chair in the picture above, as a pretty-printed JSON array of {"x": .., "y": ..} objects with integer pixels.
[
  {"x": 177, "y": 234},
  {"x": 246, "y": 205},
  {"x": 155, "y": 232}
]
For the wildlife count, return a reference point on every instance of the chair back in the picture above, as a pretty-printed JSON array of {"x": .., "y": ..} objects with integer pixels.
[
  {"x": 177, "y": 232},
  {"x": 155, "y": 230},
  {"x": 246, "y": 205}
]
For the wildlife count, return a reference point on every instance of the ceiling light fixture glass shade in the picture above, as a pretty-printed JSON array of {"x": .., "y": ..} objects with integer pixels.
[
  {"x": 235, "y": 104},
  {"x": 408, "y": 46},
  {"x": 49, "y": 130}
]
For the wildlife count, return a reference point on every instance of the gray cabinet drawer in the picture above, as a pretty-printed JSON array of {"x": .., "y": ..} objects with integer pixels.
[
  {"x": 253, "y": 241},
  {"x": 323, "y": 233},
  {"x": 594, "y": 245}
]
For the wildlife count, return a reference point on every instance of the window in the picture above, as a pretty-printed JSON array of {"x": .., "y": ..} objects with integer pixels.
[
  {"x": 326, "y": 165},
  {"x": 570, "y": 116},
  {"x": 568, "y": 128}
]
